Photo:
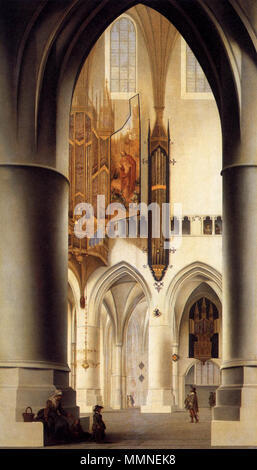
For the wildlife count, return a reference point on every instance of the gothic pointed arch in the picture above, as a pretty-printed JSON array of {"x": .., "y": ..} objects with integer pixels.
[
  {"x": 182, "y": 286},
  {"x": 106, "y": 279},
  {"x": 70, "y": 30}
]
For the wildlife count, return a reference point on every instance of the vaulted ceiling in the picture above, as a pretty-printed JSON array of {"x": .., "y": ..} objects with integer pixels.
[
  {"x": 160, "y": 36},
  {"x": 120, "y": 302}
]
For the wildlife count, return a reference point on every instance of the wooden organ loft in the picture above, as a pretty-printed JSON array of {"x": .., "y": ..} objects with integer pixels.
[
  {"x": 203, "y": 330},
  {"x": 91, "y": 125}
]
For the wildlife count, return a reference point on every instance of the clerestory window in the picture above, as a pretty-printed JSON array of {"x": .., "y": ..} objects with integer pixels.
[{"x": 121, "y": 58}]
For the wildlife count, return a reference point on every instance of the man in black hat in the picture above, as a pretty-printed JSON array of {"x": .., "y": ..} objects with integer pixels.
[{"x": 98, "y": 428}]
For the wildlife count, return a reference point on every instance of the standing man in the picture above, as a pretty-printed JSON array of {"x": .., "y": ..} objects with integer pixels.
[
  {"x": 98, "y": 428},
  {"x": 193, "y": 405},
  {"x": 212, "y": 399}
]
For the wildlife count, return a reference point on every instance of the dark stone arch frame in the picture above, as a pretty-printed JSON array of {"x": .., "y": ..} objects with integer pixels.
[{"x": 70, "y": 29}]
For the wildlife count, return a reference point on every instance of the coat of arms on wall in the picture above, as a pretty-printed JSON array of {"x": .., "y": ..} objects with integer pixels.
[{"x": 156, "y": 312}]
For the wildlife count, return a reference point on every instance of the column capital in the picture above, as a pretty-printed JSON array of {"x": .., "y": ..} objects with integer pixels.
[
  {"x": 238, "y": 363},
  {"x": 238, "y": 165},
  {"x": 35, "y": 166}
]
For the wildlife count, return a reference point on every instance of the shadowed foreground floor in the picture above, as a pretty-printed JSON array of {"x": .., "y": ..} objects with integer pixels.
[{"x": 130, "y": 429}]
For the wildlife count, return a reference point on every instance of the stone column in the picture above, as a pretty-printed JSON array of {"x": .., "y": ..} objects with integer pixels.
[
  {"x": 89, "y": 390},
  {"x": 235, "y": 416},
  {"x": 33, "y": 296},
  {"x": 159, "y": 396},
  {"x": 117, "y": 378},
  {"x": 175, "y": 384}
]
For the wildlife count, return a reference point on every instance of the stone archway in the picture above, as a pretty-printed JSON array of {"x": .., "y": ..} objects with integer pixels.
[
  {"x": 189, "y": 284},
  {"x": 206, "y": 370},
  {"x": 182, "y": 286},
  {"x": 115, "y": 293},
  {"x": 106, "y": 279}
]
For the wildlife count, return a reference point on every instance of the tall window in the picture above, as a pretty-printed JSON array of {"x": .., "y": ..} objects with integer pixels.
[
  {"x": 123, "y": 56},
  {"x": 194, "y": 84},
  {"x": 196, "y": 81}
]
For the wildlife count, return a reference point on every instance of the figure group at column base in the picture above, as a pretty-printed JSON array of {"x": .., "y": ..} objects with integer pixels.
[{"x": 21, "y": 388}]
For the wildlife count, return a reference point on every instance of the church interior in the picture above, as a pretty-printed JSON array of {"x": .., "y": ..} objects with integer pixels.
[
  {"x": 121, "y": 326},
  {"x": 140, "y": 103}
]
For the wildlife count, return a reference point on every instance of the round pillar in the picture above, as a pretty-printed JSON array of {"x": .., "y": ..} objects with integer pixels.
[
  {"x": 239, "y": 289},
  {"x": 117, "y": 378},
  {"x": 235, "y": 415},
  {"x": 159, "y": 371},
  {"x": 88, "y": 380},
  {"x": 175, "y": 383},
  {"x": 33, "y": 295},
  {"x": 33, "y": 268},
  {"x": 240, "y": 267}
]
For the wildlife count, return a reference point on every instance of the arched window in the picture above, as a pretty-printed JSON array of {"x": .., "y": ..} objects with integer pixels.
[
  {"x": 194, "y": 84},
  {"x": 121, "y": 48}
]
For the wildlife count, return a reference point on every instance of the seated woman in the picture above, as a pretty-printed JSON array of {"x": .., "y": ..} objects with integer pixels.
[
  {"x": 55, "y": 420},
  {"x": 59, "y": 425},
  {"x": 98, "y": 427}
]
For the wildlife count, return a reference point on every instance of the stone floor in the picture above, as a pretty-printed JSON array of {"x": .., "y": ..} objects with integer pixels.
[{"x": 130, "y": 429}]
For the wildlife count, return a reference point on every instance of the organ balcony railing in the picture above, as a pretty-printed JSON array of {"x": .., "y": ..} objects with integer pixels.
[
  {"x": 186, "y": 226},
  {"x": 193, "y": 225}
]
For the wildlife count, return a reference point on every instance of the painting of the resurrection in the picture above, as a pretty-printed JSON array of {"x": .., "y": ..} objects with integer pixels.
[{"x": 128, "y": 227}]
